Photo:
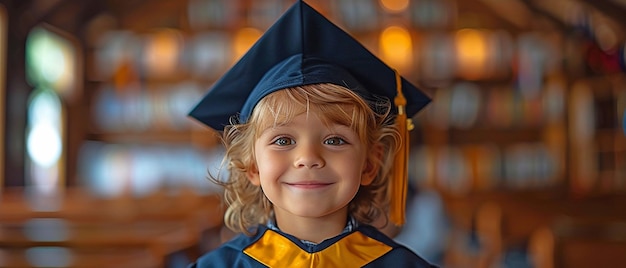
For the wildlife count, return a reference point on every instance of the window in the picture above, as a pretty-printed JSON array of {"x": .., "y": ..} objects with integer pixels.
[{"x": 51, "y": 70}]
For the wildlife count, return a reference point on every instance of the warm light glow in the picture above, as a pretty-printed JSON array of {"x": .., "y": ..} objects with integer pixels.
[
  {"x": 396, "y": 47},
  {"x": 162, "y": 51},
  {"x": 471, "y": 50},
  {"x": 395, "y": 5},
  {"x": 66, "y": 84},
  {"x": 244, "y": 39}
]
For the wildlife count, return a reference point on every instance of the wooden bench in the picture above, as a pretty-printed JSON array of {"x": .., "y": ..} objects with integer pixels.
[
  {"x": 161, "y": 224},
  {"x": 65, "y": 257}
]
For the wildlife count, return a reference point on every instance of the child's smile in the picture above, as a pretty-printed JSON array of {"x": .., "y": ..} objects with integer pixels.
[{"x": 308, "y": 184}]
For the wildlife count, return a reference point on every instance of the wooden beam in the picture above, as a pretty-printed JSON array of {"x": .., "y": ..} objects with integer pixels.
[
  {"x": 611, "y": 9},
  {"x": 546, "y": 14},
  {"x": 513, "y": 11},
  {"x": 144, "y": 15}
]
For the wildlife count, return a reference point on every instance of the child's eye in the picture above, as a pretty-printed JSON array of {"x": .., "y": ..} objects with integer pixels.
[
  {"x": 335, "y": 141},
  {"x": 282, "y": 141}
]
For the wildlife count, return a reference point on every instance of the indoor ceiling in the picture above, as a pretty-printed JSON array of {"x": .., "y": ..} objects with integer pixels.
[{"x": 73, "y": 15}]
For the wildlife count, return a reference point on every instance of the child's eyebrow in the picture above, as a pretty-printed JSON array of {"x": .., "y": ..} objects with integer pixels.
[{"x": 273, "y": 127}]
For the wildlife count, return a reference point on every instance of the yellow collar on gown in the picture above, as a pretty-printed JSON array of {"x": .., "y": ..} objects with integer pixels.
[{"x": 356, "y": 249}]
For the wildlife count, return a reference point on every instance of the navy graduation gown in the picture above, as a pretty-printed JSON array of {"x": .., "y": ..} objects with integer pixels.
[{"x": 363, "y": 247}]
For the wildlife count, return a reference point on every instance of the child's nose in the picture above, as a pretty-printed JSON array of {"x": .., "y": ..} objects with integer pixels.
[{"x": 309, "y": 157}]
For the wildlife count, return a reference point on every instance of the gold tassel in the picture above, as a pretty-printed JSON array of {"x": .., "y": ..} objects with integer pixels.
[{"x": 399, "y": 182}]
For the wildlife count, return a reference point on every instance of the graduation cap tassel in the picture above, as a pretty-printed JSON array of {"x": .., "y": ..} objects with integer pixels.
[{"x": 399, "y": 182}]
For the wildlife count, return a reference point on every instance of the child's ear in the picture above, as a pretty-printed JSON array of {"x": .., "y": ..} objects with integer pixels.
[
  {"x": 253, "y": 175},
  {"x": 372, "y": 164}
]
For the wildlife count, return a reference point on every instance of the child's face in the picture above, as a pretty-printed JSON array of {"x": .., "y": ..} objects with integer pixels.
[{"x": 308, "y": 168}]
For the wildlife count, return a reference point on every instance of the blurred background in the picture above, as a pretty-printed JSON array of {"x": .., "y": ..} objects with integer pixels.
[{"x": 520, "y": 161}]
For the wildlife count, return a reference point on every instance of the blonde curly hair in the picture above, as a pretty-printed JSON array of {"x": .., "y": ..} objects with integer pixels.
[{"x": 371, "y": 120}]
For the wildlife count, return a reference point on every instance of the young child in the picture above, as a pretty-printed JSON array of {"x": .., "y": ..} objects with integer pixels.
[{"x": 313, "y": 125}]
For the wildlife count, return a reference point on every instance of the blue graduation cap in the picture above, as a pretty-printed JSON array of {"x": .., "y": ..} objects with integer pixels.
[{"x": 302, "y": 48}]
